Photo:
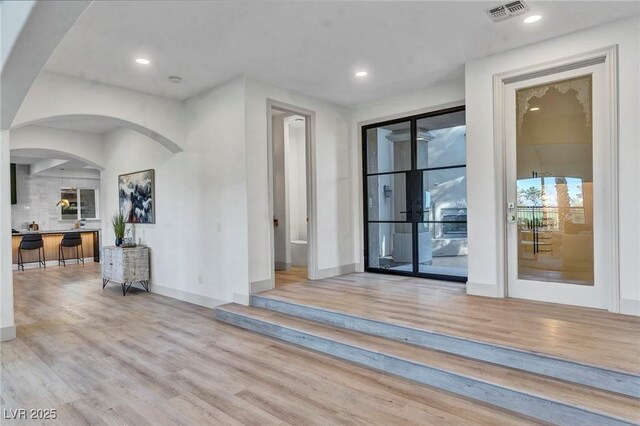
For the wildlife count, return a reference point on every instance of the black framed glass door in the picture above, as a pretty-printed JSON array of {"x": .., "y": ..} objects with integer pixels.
[{"x": 415, "y": 196}]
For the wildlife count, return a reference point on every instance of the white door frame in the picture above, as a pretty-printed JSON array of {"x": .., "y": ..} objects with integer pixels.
[
  {"x": 312, "y": 213},
  {"x": 608, "y": 56}
]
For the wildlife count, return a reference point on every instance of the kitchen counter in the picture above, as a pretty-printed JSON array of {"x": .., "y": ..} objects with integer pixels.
[
  {"x": 55, "y": 231},
  {"x": 52, "y": 238}
]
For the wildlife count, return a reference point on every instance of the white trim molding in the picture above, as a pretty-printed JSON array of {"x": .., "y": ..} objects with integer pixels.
[
  {"x": 7, "y": 333},
  {"x": 34, "y": 265},
  {"x": 609, "y": 57},
  {"x": 260, "y": 286},
  {"x": 241, "y": 299},
  {"x": 282, "y": 266},
  {"x": 482, "y": 289},
  {"x": 185, "y": 296},
  {"x": 335, "y": 271},
  {"x": 630, "y": 307}
]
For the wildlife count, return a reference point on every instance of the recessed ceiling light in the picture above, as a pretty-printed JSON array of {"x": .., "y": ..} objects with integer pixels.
[
  {"x": 361, "y": 74},
  {"x": 143, "y": 61},
  {"x": 531, "y": 19},
  {"x": 534, "y": 109}
]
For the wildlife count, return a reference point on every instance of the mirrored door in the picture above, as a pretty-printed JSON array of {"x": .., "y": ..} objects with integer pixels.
[{"x": 415, "y": 196}]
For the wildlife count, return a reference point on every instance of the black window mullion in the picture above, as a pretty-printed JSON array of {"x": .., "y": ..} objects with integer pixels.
[
  {"x": 414, "y": 193},
  {"x": 431, "y": 169},
  {"x": 365, "y": 210}
]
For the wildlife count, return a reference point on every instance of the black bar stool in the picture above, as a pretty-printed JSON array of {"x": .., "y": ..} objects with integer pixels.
[
  {"x": 71, "y": 239},
  {"x": 32, "y": 242}
]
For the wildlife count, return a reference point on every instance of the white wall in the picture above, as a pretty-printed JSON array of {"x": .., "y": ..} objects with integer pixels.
[
  {"x": 483, "y": 273},
  {"x": 333, "y": 175},
  {"x": 433, "y": 99},
  {"x": 199, "y": 241},
  {"x": 7, "y": 326}
]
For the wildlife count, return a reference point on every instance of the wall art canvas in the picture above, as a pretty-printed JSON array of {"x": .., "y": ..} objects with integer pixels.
[{"x": 137, "y": 196}]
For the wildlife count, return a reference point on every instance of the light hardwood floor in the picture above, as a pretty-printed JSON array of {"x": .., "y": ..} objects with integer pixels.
[
  {"x": 295, "y": 275},
  {"x": 585, "y": 335},
  {"x": 100, "y": 358}
]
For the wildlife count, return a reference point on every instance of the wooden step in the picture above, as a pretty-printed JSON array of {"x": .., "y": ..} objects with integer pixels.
[
  {"x": 531, "y": 395},
  {"x": 595, "y": 376},
  {"x": 585, "y": 335}
]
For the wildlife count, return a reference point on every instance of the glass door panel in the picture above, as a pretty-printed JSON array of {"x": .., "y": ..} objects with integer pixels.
[
  {"x": 554, "y": 182},
  {"x": 390, "y": 233},
  {"x": 415, "y": 186},
  {"x": 442, "y": 234},
  {"x": 390, "y": 246},
  {"x": 387, "y": 197},
  {"x": 441, "y": 141},
  {"x": 389, "y": 148}
]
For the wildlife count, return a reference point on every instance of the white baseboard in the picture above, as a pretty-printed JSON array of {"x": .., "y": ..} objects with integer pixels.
[
  {"x": 51, "y": 263},
  {"x": 282, "y": 266},
  {"x": 630, "y": 307},
  {"x": 338, "y": 270},
  {"x": 241, "y": 299},
  {"x": 481, "y": 289},
  {"x": 259, "y": 286},
  {"x": 185, "y": 296},
  {"x": 7, "y": 333}
]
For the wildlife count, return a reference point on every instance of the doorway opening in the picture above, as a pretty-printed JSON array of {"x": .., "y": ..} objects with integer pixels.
[
  {"x": 290, "y": 183},
  {"x": 415, "y": 196}
]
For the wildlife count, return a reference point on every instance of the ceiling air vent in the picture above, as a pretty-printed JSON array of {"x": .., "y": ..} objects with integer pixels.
[{"x": 507, "y": 11}]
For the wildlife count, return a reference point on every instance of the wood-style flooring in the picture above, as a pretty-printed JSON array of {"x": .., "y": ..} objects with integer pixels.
[
  {"x": 100, "y": 358},
  {"x": 295, "y": 275},
  {"x": 584, "y": 335}
]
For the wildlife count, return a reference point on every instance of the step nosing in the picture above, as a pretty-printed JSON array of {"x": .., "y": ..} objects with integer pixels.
[
  {"x": 448, "y": 336},
  {"x": 418, "y": 364}
]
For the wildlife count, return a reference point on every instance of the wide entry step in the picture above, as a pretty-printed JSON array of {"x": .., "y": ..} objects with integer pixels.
[
  {"x": 598, "y": 377},
  {"x": 543, "y": 398}
]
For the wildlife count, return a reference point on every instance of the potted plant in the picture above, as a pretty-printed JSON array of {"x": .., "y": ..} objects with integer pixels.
[{"x": 117, "y": 220}]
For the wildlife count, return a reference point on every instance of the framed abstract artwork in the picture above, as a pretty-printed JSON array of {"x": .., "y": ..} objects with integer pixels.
[{"x": 136, "y": 192}]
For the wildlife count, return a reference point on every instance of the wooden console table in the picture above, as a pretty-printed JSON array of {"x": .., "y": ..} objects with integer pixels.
[{"x": 126, "y": 266}]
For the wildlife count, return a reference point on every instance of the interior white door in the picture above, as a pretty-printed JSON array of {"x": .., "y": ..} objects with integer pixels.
[{"x": 558, "y": 181}]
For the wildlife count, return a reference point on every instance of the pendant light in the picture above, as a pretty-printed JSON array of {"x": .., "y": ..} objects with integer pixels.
[{"x": 64, "y": 203}]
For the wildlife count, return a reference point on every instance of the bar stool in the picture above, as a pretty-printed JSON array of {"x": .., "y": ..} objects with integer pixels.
[
  {"x": 32, "y": 242},
  {"x": 71, "y": 239}
]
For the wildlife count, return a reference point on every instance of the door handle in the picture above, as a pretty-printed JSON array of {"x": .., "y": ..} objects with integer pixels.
[{"x": 511, "y": 218}]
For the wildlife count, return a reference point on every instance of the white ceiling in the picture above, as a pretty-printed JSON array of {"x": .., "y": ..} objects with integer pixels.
[{"x": 312, "y": 47}]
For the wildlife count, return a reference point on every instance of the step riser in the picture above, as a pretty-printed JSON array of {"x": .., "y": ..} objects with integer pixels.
[
  {"x": 612, "y": 381},
  {"x": 519, "y": 402}
]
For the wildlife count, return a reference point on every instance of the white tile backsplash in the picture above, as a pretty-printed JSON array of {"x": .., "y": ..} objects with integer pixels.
[{"x": 37, "y": 197}]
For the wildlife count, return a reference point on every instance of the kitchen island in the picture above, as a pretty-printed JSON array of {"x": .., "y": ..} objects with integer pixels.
[{"x": 52, "y": 238}]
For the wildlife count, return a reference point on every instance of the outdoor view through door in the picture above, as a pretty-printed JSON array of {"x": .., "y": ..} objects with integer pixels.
[
  {"x": 416, "y": 195},
  {"x": 554, "y": 148}
]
